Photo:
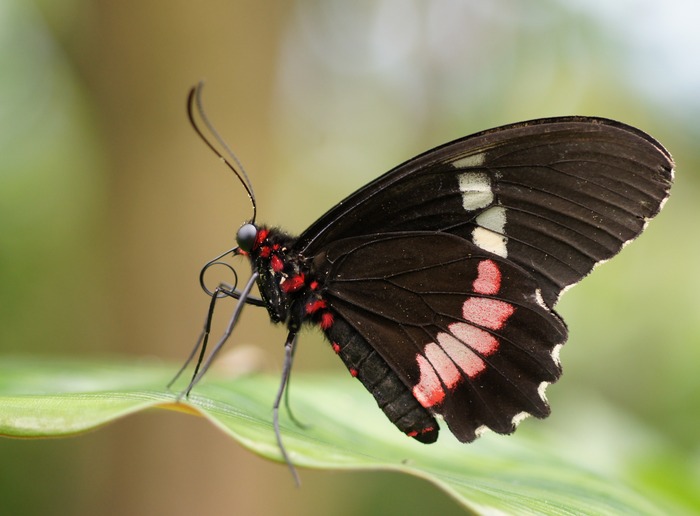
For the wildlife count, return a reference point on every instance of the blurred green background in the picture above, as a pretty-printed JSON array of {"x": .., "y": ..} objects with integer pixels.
[{"x": 109, "y": 205}]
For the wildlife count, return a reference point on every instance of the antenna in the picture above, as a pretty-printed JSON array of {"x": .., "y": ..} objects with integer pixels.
[{"x": 194, "y": 102}]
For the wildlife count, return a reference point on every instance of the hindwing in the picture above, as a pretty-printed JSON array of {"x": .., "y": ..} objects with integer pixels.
[{"x": 465, "y": 330}]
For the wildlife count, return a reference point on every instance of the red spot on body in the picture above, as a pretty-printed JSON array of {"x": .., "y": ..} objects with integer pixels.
[
  {"x": 326, "y": 320},
  {"x": 276, "y": 262},
  {"x": 265, "y": 251},
  {"x": 488, "y": 280},
  {"x": 416, "y": 433},
  {"x": 313, "y": 285},
  {"x": 276, "y": 247},
  {"x": 260, "y": 237},
  {"x": 335, "y": 347},
  {"x": 293, "y": 283},
  {"x": 315, "y": 306},
  {"x": 353, "y": 372}
]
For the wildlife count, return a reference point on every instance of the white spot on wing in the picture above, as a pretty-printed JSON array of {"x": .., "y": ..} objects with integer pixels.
[
  {"x": 519, "y": 417},
  {"x": 481, "y": 430},
  {"x": 541, "y": 391},
  {"x": 555, "y": 354},
  {"x": 470, "y": 161},
  {"x": 476, "y": 190},
  {"x": 490, "y": 241},
  {"x": 490, "y": 235},
  {"x": 494, "y": 219},
  {"x": 539, "y": 299}
]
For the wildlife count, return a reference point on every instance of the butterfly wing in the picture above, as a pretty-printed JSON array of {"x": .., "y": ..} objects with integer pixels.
[
  {"x": 465, "y": 330},
  {"x": 554, "y": 196}
]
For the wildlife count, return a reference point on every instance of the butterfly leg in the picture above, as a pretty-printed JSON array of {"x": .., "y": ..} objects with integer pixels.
[
  {"x": 204, "y": 336},
  {"x": 289, "y": 347},
  {"x": 287, "y": 405}
]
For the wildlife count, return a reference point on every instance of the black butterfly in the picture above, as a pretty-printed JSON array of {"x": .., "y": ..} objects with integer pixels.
[{"x": 435, "y": 283}]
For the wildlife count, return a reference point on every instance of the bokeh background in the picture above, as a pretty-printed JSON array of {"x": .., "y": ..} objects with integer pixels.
[{"x": 109, "y": 205}]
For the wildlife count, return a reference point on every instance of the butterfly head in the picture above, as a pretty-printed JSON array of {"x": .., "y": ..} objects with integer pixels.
[
  {"x": 246, "y": 237},
  {"x": 281, "y": 275}
]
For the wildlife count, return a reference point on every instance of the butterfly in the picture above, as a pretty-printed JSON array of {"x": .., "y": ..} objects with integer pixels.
[{"x": 435, "y": 284}]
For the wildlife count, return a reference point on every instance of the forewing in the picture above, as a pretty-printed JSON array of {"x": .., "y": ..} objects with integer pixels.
[
  {"x": 464, "y": 329},
  {"x": 555, "y": 196}
]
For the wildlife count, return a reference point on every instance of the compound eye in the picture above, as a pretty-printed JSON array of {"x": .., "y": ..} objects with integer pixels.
[{"x": 246, "y": 236}]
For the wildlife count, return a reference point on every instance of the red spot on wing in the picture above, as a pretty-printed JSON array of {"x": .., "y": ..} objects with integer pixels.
[
  {"x": 462, "y": 353},
  {"x": 428, "y": 391},
  {"x": 443, "y": 365},
  {"x": 454, "y": 355},
  {"x": 313, "y": 285},
  {"x": 488, "y": 280},
  {"x": 459, "y": 352},
  {"x": 486, "y": 312},
  {"x": 477, "y": 339},
  {"x": 335, "y": 347},
  {"x": 353, "y": 372}
]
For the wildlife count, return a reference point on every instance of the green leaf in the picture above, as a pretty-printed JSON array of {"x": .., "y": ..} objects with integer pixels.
[{"x": 518, "y": 474}]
